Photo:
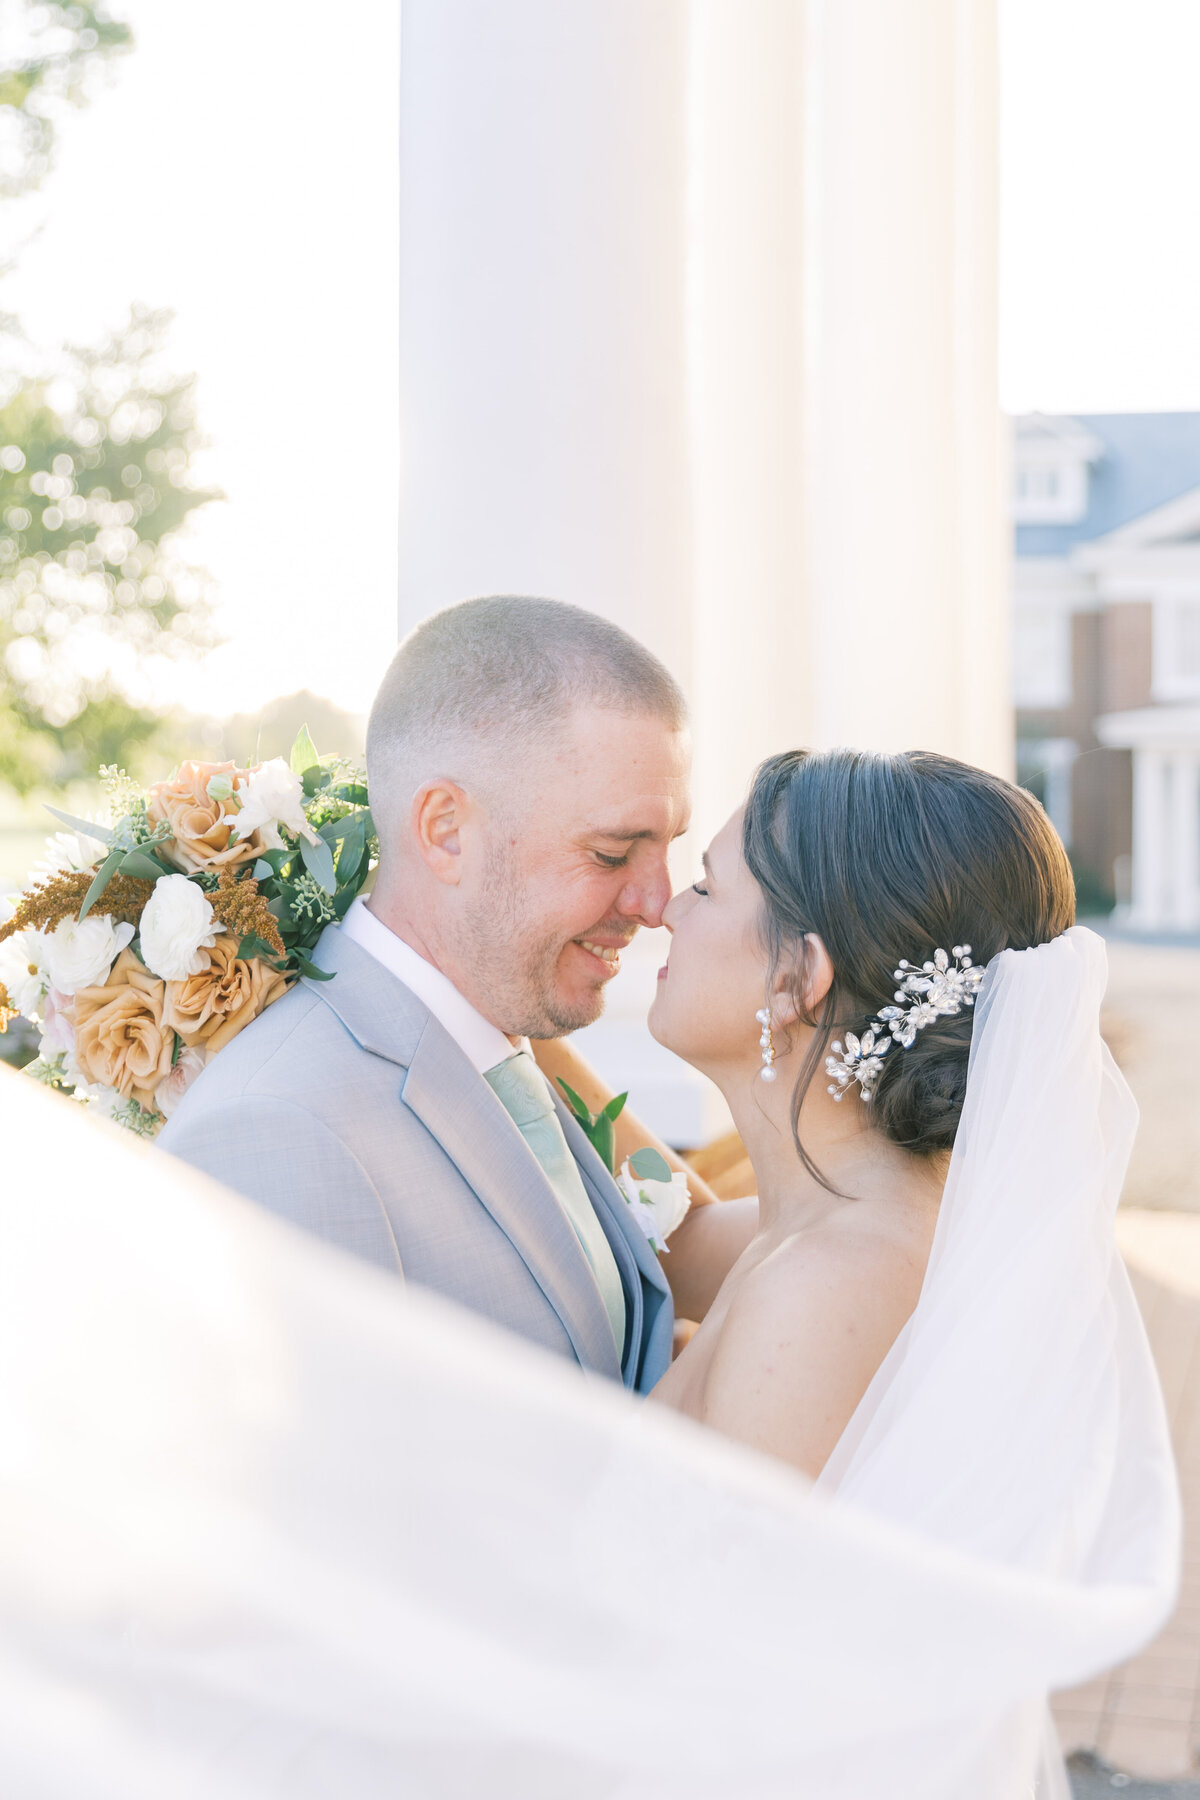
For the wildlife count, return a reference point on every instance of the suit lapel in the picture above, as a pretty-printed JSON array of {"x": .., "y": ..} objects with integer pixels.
[
  {"x": 630, "y": 1246},
  {"x": 457, "y": 1106},
  {"x": 454, "y": 1103}
]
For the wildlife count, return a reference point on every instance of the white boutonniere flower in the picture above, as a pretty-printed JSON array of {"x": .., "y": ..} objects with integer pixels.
[{"x": 655, "y": 1194}]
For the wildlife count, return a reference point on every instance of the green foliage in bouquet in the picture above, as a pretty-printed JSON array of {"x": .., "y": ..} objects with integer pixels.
[{"x": 155, "y": 939}]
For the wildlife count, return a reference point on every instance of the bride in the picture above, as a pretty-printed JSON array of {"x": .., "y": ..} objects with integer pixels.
[{"x": 842, "y": 868}]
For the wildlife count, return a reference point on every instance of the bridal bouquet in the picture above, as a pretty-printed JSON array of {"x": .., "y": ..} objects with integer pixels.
[{"x": 148, "y": 943}]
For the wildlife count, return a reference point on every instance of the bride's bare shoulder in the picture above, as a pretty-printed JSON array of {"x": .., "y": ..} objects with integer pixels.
[{"x": 804, "y": 1333}]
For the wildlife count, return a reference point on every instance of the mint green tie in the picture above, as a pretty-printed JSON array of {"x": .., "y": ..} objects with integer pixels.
[{"x": 522, "y": 1090}]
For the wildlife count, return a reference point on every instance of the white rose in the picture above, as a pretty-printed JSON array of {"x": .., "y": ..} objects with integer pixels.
[
  {"x": 273, "y": 796},
  {"x": 23, "y": 970},
  {"x": 658, "y": 1206},
  {"x": 80, "y": 952},
  {"x": 176, "y": 926},
  {"x": 170, "y": 1092}
]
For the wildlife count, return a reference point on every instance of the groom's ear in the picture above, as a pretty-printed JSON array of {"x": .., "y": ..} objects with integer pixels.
[
  {"x": 439, "y": 811},
  {"x": 800, "y": 989}
]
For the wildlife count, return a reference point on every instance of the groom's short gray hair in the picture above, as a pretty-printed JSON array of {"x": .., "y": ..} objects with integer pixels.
[{"x": 499, "y": 673}]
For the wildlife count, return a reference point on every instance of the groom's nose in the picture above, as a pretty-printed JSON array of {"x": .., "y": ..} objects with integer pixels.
[{"x": 645, "y": 897}]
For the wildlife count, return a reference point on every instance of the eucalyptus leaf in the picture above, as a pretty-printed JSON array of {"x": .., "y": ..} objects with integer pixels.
[
  {"x": 304, "y": 752},
  {"x": 254, "y": 946},
  {"x": 100, "y": 832},
  {"x": 270, "y": 863},
  {"x": 649, "y": 1165},
  {"x": 311, "y": 970},
  {"x": 141, "y": 866},
  {"x": 104, "y": 875},
  {"x": 353, "y": 791},
  {"x": 354, "y": 845},
  {"x": 318, "y": 860},
  {"x": 314, "y": 780}
]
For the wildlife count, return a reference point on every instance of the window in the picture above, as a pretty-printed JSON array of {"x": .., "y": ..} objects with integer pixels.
[
  {"x": 1050, "y": 487},
  {"x": 1041, "y": 656},
  {"x": 1177, "y": 648}
]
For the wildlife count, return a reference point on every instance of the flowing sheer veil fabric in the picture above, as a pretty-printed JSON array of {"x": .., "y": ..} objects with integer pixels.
[
  {"x": 272, "y": 1526},
  {"x": 1019, "y": 1415}
]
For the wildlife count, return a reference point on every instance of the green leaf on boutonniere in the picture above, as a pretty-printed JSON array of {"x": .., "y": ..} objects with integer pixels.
[
  {"x": 649, "y": 1165},
  {"x": 597, "y": 1127}
]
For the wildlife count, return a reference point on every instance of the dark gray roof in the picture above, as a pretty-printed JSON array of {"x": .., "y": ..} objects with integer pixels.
[{"x": 1149, "y": 458}]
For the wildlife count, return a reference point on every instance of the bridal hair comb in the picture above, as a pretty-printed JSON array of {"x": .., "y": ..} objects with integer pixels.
[{"x": 934, "y": 991}]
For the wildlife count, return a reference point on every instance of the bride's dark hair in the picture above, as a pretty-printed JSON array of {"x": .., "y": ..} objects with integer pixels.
[{"x": 885, "y": 857}]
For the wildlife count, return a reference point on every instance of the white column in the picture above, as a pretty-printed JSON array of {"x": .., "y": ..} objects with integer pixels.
[
  {"x": 1149, "y": 906},
  {"x": 544, "y": 406},
  {"x": 698, "y": 329},
  {"x": 1184, "y": 840},
  {"x": 907, "y": 575}
]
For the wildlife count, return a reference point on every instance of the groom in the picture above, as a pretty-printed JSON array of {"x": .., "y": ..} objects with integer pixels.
[{"x": 528, "y": 767}]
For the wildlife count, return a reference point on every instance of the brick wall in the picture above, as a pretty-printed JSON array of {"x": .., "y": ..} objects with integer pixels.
[{"x": 1110, "y": 672}]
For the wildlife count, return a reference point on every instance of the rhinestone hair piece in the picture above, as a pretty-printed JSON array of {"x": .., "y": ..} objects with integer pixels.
[{"x": 937, "y": 990}]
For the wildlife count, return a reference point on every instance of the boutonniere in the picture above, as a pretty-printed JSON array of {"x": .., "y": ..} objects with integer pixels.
[{"x": 655, "y": 1194}]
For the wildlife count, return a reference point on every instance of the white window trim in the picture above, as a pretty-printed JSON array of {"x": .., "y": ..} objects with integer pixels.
[{"x": 1167, "y": 681}]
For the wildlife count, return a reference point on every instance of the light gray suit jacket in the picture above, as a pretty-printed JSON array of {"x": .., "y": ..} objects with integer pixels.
[{"x": 348, "y": 1109}]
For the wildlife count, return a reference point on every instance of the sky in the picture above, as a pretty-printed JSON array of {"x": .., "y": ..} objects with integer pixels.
[
  {"x": 256, "y": 194},
  {"x": 1100, "y": 201},
  {"x": 245, "y": 176}
]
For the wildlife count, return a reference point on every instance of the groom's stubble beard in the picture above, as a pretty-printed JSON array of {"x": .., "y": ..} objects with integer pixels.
[{"x": 515, "y": 966}]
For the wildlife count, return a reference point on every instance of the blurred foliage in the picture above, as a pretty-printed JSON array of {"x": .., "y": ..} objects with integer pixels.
[
  {"x": 94, "y": 480},
  {"x": 246, "y": 738},
  {"x": 96, "y": 446},
  {"x": 52, "y": 55},
  {"x": 1094, "y": 896}
]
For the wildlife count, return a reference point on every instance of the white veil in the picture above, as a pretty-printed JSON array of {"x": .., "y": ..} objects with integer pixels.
[{"x": 272, "y": 1526}]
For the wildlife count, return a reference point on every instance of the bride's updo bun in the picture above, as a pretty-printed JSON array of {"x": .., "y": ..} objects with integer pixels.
[{"x": 891, "y": 857}]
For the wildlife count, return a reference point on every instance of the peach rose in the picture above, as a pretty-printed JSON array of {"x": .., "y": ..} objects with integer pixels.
[
  {"x": 121, "y": 1039},
  {"x": 200, "y": 825},
  {"x": 209, "y": 1009}
]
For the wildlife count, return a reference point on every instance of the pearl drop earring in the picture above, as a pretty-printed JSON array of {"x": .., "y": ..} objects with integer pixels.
[{"x": 767, "y": 1042}]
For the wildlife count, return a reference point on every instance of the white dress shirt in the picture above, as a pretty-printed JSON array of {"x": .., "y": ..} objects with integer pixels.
[{"x": 481, "y": 1042}]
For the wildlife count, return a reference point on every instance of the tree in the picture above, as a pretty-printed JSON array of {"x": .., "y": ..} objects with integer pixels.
[
  {"x": 96, "y": 447},
  {"x": 94, "y": 481},
  {"x": 54, "y": 52}
]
